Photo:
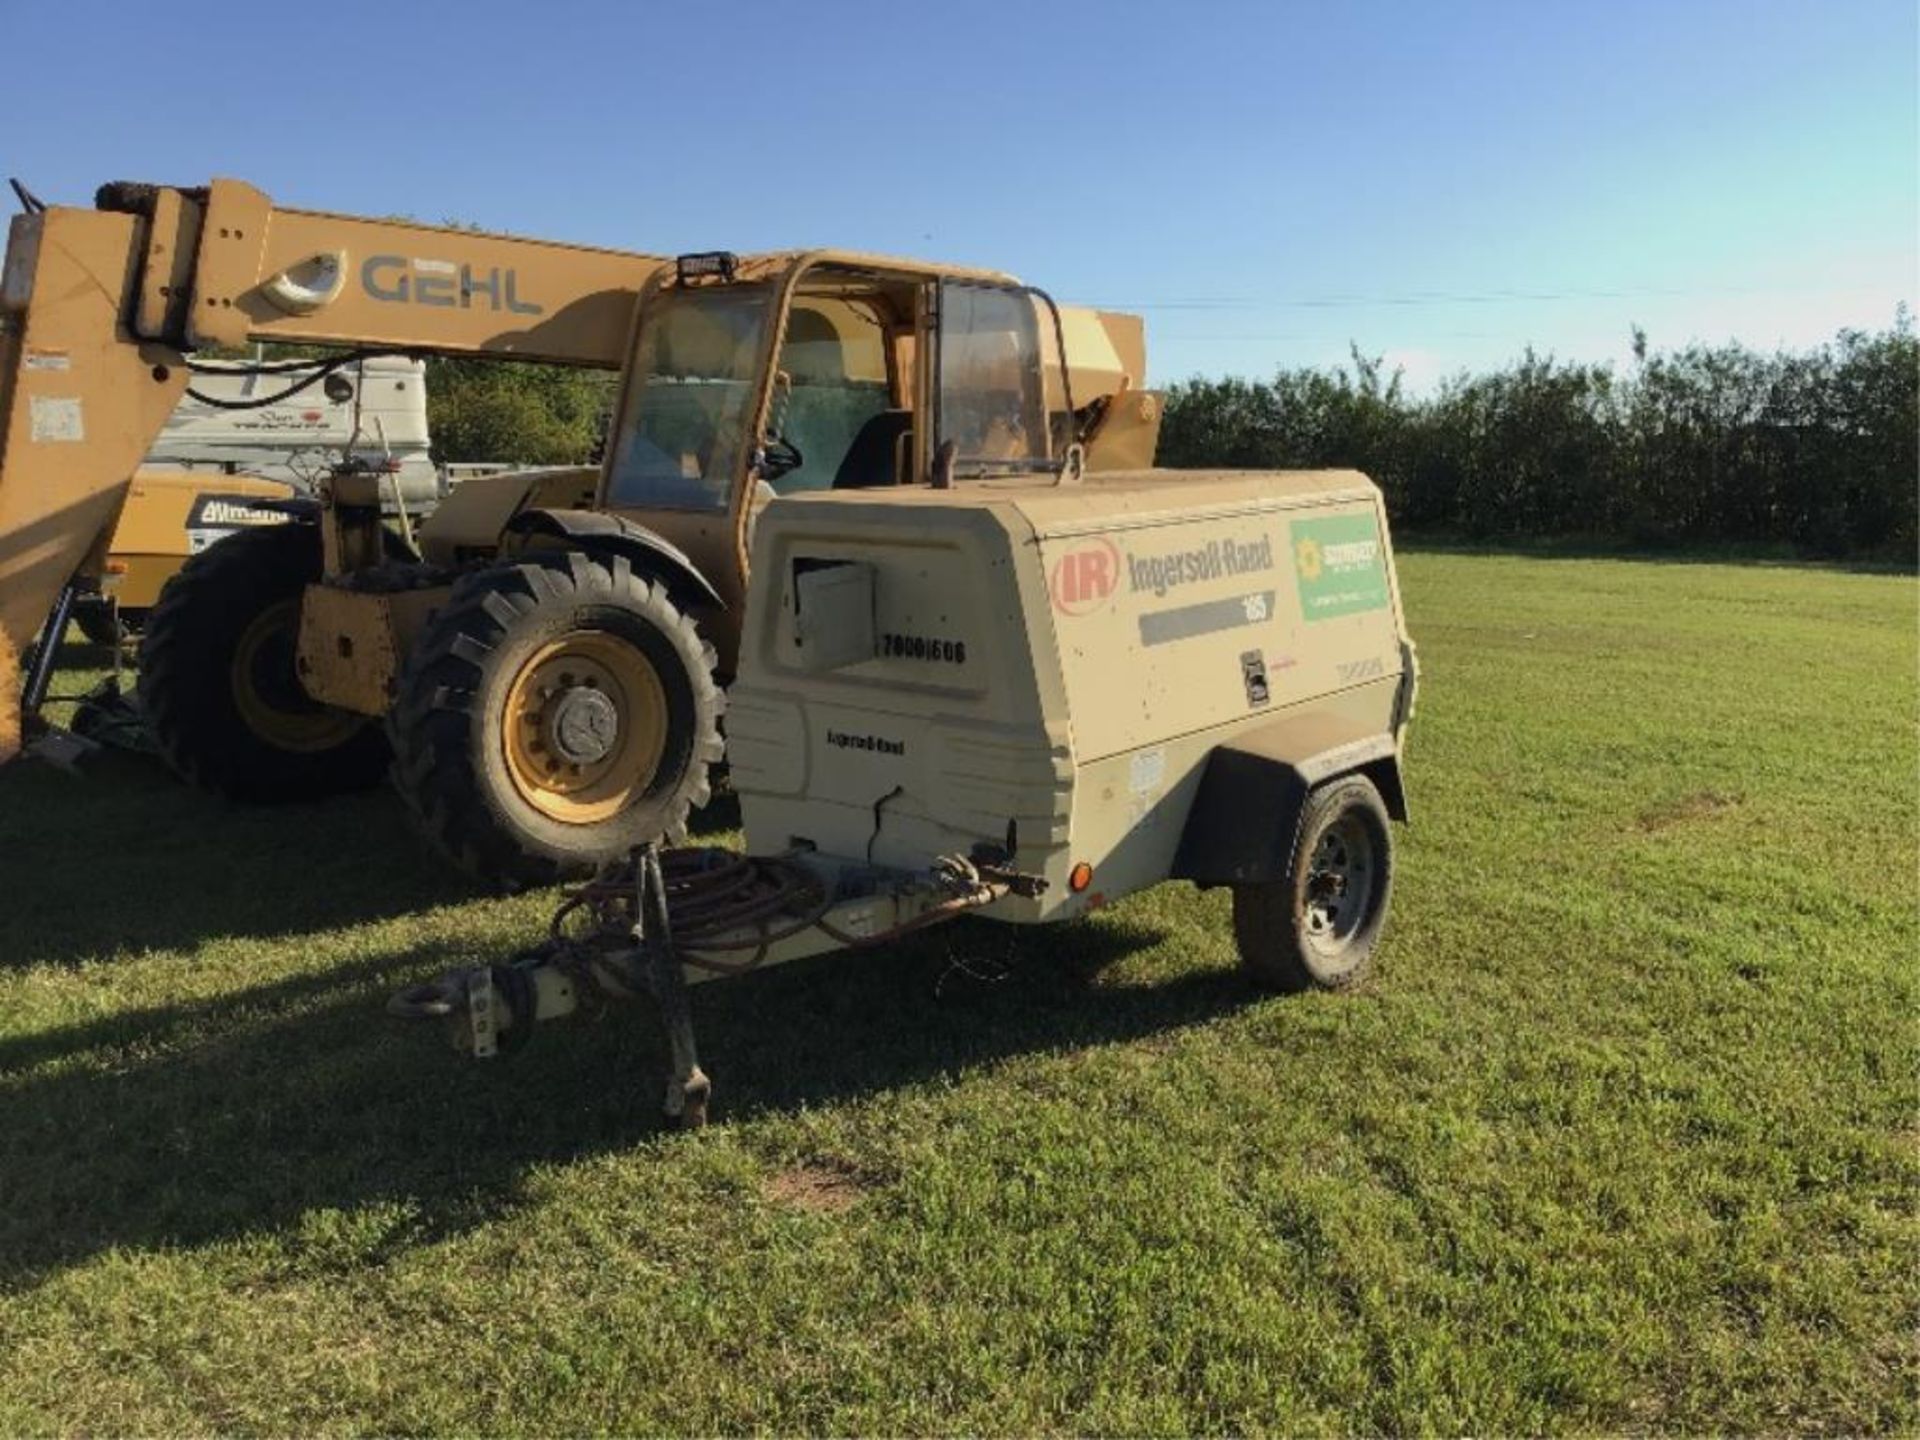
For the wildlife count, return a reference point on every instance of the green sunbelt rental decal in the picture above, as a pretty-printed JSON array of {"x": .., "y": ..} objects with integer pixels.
[{"x": 1338, "y": 563}]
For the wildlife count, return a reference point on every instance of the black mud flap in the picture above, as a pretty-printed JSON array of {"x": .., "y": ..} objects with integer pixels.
[{"x": 1246, "y": 815}]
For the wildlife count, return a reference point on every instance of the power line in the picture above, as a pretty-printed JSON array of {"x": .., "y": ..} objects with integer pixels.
[{"x": 1471, "y": 297}]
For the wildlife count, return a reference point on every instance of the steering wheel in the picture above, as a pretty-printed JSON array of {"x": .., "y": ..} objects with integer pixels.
[{"x": 779, "y": 456}]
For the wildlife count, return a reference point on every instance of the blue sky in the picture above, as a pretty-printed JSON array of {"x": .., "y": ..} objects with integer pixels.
[{"x": 1439, "y": 183}]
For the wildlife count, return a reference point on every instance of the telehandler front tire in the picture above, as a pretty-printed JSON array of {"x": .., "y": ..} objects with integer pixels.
[
  {"x": 217, "y": 680},
  {"x": 559, "y": 710},
  {"x": 1315, "y": 927}
]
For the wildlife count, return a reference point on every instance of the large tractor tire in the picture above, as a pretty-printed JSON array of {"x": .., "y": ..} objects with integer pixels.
[
  {"x": 218, "y": 684},
  {"x": 559, "y": 710}
]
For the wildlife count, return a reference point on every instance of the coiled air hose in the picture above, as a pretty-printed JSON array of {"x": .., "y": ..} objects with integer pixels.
[{"x": 722, "y": 901}]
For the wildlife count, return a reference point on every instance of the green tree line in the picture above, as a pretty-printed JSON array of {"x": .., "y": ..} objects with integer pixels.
[
  {"x": 517, "y": 413},
  {"x": 1817, "y": 451}
]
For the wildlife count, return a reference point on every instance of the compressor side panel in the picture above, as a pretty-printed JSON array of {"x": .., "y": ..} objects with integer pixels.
[{"x": 1182, "y": 630}]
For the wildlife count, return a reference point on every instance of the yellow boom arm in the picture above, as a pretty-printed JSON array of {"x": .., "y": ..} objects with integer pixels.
[{"x": 98, "y": 309}]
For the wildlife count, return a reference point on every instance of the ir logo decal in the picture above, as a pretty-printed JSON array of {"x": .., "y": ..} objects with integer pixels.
[{"x": 1084, "y": 577}]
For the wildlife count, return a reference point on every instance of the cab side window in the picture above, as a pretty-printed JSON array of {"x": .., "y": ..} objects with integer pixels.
[{"x": 832, "y": 402}]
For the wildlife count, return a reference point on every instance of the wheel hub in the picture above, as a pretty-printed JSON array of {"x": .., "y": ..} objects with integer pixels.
[
  {"x": 585, "y": 727},
  {"x": 1339, "y": 884},
  {"x": 582, "y": 725}
]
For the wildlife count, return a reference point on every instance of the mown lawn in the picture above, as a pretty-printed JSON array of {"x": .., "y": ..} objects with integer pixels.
[{"x": 1621, "y": 1137}]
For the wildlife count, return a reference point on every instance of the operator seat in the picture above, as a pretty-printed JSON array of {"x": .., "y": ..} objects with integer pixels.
[{"x": 869, "y": 459}]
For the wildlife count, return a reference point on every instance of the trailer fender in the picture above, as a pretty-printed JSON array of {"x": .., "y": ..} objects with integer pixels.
[
  {"x": 1268, "y": 773},
  {"x": 603, "y": 534}
]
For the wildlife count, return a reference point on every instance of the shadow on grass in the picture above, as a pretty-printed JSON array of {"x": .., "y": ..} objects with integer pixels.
[
  {"x": 124, "y": 856},
  {"x": 185, "y": 1125}
]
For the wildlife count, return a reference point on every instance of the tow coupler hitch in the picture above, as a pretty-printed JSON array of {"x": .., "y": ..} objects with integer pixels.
[{"x": 657, "y": 920}]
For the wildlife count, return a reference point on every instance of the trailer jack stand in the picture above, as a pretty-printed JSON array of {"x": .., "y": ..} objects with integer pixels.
[
  {"x": 650, "y": 923},
  {"x": 687, "y": 1087}
]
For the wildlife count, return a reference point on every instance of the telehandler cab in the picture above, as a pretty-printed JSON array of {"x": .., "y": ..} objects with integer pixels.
[{"x": 548, "y": 664}]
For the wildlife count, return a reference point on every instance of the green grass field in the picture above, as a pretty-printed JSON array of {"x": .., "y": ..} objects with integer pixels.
[{"x": 1622, "y": 1135}]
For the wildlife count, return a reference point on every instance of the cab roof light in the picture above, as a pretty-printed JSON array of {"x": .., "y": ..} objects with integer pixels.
[{"x": 706, "y": 265}]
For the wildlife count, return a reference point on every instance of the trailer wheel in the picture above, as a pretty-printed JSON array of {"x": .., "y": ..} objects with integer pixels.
[
  {"x": 559, "y": 710},
  {"x": 218, "y": 685},
  {"x": 1316, "y": 926}
]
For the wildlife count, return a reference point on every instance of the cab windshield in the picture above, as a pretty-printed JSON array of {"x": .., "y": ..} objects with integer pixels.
[{"x": 683, "y": 438}]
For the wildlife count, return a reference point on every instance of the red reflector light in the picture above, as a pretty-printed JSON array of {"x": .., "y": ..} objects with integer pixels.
[{"x": 1080, "y": 877}]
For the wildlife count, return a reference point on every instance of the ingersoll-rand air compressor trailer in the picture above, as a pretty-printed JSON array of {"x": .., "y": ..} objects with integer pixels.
[{"x": 1022, "y": 698}]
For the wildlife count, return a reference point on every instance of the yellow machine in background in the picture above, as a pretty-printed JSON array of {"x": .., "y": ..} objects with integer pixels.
[
  {"x": 240, "y": 446},
  {"x": 169, "y": 516},
  {"x": 101, "y": 310}
]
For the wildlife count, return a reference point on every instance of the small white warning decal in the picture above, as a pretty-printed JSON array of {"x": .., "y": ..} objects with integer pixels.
[{"x": 56, "y": 418}]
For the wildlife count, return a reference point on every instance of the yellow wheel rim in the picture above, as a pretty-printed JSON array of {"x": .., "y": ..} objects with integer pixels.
[
  {"x": 267, "y": 691},
  {"x": 585, "y": 727}
]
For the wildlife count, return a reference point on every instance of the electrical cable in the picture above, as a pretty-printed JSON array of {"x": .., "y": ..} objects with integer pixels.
[
  {"x": 260, "y": 402},
  {"x": 878, "y": 806},
  {"x": 320, "y": 370},
  {"x": 268, "y": 367}
]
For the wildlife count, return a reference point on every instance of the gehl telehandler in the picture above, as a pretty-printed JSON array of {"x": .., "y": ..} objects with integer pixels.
[
  {"x": 548, "y": 664},
  {"x": 988, "y": 661}
]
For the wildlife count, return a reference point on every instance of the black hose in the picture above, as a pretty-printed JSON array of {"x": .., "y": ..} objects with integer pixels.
[
  {"x": 266, "y": 367},
  {"x": 322, "y": 369},
  {"x": 721, "y": 902}
]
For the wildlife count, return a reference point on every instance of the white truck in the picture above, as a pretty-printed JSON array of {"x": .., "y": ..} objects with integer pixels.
[
  {"x": 374, "y": 410},
  {"x": 226, "y": 461}
]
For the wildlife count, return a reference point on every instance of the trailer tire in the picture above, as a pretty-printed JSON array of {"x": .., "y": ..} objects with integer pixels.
[
  {"x": 559, "y": 710},
  {"x": 217, "y": 681},
  {"x": 1316, "y": 926}
]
